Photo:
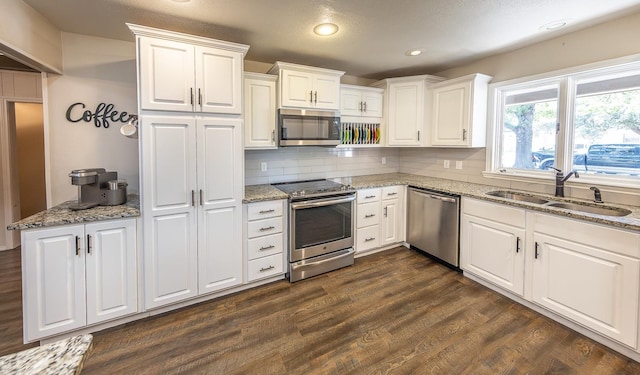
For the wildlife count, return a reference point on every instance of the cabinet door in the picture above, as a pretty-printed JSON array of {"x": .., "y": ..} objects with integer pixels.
[
  {"x": 259, "y": 114},
  {"x": 219, "y": 80},
  {"x": 590, "y": 286},
  {"x": 297, "y": 89},
  {"x": 493, "y": 251},
  {"x": 326, "y": 94},
  {"x": 169, "y": 197},
  {"x": 350, "y": 102},
  {"x": 372, "y": 104},
  {"x": 220, "y": 167},
  {"x": 167, "y": 78},
  {"x": 392, "y": 222},
  {"x": 451, "y": 115},
  {"x": 112, "y": 289},
  {"x": 53, "y": 283},
  {"x": 406, "y": 113}
]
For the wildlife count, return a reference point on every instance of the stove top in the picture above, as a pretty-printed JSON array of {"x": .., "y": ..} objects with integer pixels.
[{"x": 312, "y": 188}]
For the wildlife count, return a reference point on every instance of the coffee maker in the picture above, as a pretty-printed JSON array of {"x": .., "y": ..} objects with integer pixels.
[{"x": 96, "y": 187}]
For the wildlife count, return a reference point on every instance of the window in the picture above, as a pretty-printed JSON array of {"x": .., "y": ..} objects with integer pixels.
[{"x": 586, "y": 121}]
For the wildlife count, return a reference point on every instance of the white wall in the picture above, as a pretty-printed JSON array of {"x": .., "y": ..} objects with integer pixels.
[
  {"x": 29, "y": 37},
  {"x": 307, "y": 163},
  {"x": 95, "y": 70}
]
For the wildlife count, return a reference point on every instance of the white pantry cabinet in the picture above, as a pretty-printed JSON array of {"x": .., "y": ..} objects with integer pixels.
[
  {"x": 589, "y": 274},
  {"x": 192, "y": 206},
  {"x": 302, "y": 86},
  {"x": 405, "y": 109},
  {"x": 492, "y": 240},
  {"x": 259, "y": 111},
  {"x": 361, "y": 101},
  {"x": 265, "y": 239},
  {"x": 185, "y": 73},
  {"x": 459, "y": 112},
  {"x": 78, "y": 275}
]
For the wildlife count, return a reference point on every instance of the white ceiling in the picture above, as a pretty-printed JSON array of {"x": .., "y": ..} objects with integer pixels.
[{"x": 373, "y": 37}]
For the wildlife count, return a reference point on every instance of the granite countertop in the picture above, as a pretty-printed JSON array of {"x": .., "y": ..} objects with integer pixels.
[
  {"x": 59, "y": 358},
  {"x": 258, "y": 193},
  {"x": 472, "y": 190},
  {"x": 61, "y": 214}
]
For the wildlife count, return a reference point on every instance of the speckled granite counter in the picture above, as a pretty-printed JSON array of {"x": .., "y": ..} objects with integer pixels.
[
  {"x": 59, "y": 358},
  {"x": 258, "y": 193},
  {"x": 61, "y": 214},
  {"x": 467, "y": 189}
]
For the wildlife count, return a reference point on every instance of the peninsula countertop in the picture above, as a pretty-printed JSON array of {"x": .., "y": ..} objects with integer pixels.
[{"x": 62, "y": 214}]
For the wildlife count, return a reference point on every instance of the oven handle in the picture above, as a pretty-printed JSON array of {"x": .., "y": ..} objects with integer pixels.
[
  {"x": 295, "y": 266},
  {"x": 321, "y": 202}
]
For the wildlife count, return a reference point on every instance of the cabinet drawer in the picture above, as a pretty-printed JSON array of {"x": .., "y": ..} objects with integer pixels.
[
  {"x": 494, "y": 211},
  {"x": 368, "y": 195},
  {"x": 391, "y": 192},
  {"x": 265, "y": 245},
  {"x": 264, "y": 227},
  {"x": 265, "y": 267},
  {"x": 368, "y": 238},
  {"x": 368, "y": 214},
  {"x": 264, "y": 210}
]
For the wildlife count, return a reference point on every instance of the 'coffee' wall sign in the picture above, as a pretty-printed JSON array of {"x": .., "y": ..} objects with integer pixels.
[{"x": 100, "y": 117}]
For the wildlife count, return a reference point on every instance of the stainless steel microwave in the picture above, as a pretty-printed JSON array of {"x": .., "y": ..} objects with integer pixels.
[{"x": 303, "y": 127}]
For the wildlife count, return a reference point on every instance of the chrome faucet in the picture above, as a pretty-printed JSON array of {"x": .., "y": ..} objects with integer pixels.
[
  {"x": 597, "y": 196},
  {"x": 560, "y": 179}
]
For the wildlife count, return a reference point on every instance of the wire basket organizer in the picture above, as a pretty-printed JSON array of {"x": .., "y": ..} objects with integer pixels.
[{"x": 357, "y": 133}]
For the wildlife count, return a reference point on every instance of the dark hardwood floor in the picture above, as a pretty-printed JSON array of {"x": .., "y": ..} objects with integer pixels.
[{"x": 394, "y": 312}]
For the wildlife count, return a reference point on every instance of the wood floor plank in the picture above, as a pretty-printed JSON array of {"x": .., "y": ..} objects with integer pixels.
[{"x": 394, "y": 312}]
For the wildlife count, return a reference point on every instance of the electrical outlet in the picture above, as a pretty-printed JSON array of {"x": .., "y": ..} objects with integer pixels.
[
  {"x": 384, "y": 160},
  {"x": 446, "y": 164},
  {"x": 263, "y": 166},
  {"x": 458, "y": 164}
]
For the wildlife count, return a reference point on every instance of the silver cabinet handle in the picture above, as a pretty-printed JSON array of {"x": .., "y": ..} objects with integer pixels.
[
  {"x": 193, "y": 198},
  {"x": 369, "y": 239},
  {"x": 369, "y": 215},
  {"x": 316, "y": 97},
  {"x": 369, "y": 196},
  {"x": 273, "y": 136},
  {"x": 267, "y": 228},
  {"x": 266, "y": 247},
  {"x": 385, "y": 211},
  {"x": 365, "y": 106},
  {"x": 517, "y": 244},
  {"x": 361, "y": 106},
  {"x": 199, "y": 98},
  {"x": 201, "y": 197},
  {"x": 89, "y": 243},
  {"x": 191, "y": 90},
  {"x": 390, "y": 194},
  {"x": 77, "y": 245},
  {"x": 267, "y": 211},
  {"x": 536, "y": 253},
  {"x": 418, "y": 134},
  {"x": 464, "y": 134},
  {"x": 267, "y": 268},
  {"x": 311, "y": 96}
]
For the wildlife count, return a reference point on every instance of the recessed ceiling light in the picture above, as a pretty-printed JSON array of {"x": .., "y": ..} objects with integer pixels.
[
  {"x": 554, "y": 25},
  {"x": 413, "y": 52},
  {"x": 325, "y": 29}
]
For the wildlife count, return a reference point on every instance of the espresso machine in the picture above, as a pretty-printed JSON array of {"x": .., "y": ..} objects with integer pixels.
[{"x": 96, "y": 187}]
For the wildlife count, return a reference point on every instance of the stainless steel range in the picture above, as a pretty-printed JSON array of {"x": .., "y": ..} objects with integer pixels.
[{"x": 321, "y": 224}]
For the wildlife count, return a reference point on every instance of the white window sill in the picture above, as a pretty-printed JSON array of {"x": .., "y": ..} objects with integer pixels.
[{"x": 540, "y": 177}]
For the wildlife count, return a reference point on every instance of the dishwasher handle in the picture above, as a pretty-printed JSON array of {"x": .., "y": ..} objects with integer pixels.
[{"x": 435, "y": 196}]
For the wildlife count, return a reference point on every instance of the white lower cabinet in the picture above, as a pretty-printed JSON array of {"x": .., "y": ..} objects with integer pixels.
[
  {"x": 78, "y": 275},
  {"x": 379, "y": 217},
  {"x": 492, "y": 239},
  {"x": 265, "y": 233},
  {"x": 589, "y": 274}
]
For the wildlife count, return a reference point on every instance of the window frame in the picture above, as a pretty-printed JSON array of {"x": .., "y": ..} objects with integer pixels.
[{"x": 567, "y": 82}]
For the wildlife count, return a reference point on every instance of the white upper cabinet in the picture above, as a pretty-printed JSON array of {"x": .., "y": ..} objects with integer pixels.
[
  {"x": 302, "y": 86},
  {"x": 459, "y": 112},
  {"x": 361, "y": 101},
  {"x": 259, "y": 111},
  {"x": 179, "y": 72},
  {"x": 405, "y": 109}
]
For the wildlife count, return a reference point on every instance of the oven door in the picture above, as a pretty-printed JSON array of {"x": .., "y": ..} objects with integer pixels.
[{"x": 321, "y": 226}]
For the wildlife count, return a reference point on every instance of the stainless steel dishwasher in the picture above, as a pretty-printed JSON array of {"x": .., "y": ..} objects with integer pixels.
[{"x": 433, "y": 224}]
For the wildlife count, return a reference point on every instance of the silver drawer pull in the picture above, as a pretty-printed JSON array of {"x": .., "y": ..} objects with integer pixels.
[
  {"x": 368, "y": 216},
  {"x": 267, "y": 211},
  {"x": 267, "y": 228},
  {"x": 369, "y": 239},
  {"x": 389, "y": 194},
  {"x": 266, "y": 247},
  {"x": 267, "y": 268},
  {"x": 369, "y": 196}
]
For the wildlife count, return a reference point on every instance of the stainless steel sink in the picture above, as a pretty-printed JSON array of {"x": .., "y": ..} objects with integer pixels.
[
  {"x": 518, "y": 196},
  {"x": 598, "y": 210}
]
